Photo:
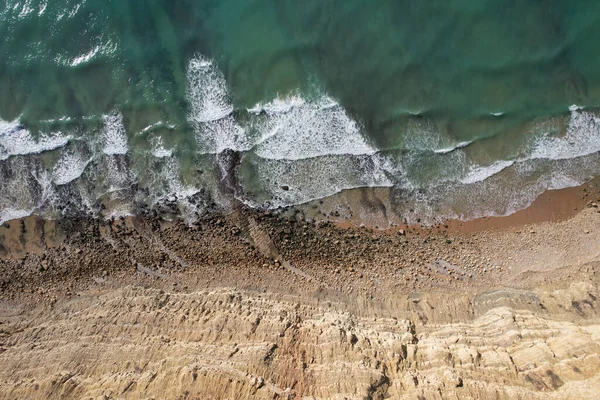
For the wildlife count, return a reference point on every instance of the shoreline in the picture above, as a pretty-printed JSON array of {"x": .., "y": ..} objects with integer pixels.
[
  {"x": 291, "y": 242},
  {"x": 371, "y": 207},
  {"x": 550, "y": 206}
]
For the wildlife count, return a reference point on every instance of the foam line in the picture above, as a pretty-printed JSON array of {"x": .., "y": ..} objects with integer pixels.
[
  {"x": 16, "y": 140},
  {"x": 453, "y": 148},
  {"x": 114, "y": 136}
]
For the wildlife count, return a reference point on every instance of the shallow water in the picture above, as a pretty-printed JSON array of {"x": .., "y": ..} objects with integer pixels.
[{"x": 464, "y": 107}]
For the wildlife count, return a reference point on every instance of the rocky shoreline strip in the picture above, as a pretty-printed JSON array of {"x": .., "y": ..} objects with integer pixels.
[{"x": 40, "y": 255}]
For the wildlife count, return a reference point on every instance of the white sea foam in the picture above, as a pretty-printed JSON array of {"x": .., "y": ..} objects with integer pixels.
[
  {"x": 166, "y": 183},
  {"x": 210, "y": 109},
  {"x": 575, "y": 107},
  {"x": 16, "y": 140},
  {"x": 69, "y": 167},
  {"x": 75, "y": 9},
  {"x": 295, "y": 129},
  {"x": 207, "y": 91},
  {"x": 71, "y": 12},
  {"x": 404, "y": 111},
  {"x": 424, "y": 136},
  {"x": 25, "y": 188},
  {"x": 119, "y": 210},
  {"x": 26, "y": 9},
  {"x": 84, "y": 58},
  {"x": 161, "y": 152},
  {"x": 43, "y": 6},
  {"x": 157, "y": 125},
  {"x": 18, "y": 194},
  {"x": 114, "y": 136},
  {"x": 315, "y": 178},
  {"x": 104, "y": 47},
  {"x": 57, "y": 120},
  {"x": 217, "y": 136},
  {"x": 582, "y": 138},
  {"x": 171, "y": 173},
  {"x": 553, "y": 160},
  {"x": 292, "y": 128},
  {"x": 118, "y": 175},
  {"x": 158, "y": 148},
  {"x": 479, "y": 173},
  {"x": 502, "y": 197},
  {"x": 46, "y": 188},
  {"x": 8, "y": 214},
  {"x": 279, "y": 105},
  {"x": 452, "y": 148},
  {"x": 113, "y": 183}
]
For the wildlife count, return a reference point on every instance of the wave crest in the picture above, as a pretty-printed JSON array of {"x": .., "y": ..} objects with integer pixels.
[{"x": 16, "y": 140}]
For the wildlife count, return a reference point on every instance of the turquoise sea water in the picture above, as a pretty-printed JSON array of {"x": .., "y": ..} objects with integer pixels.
[{"x": 463, "y": 107}]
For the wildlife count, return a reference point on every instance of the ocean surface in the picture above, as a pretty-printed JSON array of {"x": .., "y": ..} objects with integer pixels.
[{"x": 463, "y": 108}]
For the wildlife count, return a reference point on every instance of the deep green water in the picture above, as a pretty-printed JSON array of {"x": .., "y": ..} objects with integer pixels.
[{"x": 464, "y": 107}]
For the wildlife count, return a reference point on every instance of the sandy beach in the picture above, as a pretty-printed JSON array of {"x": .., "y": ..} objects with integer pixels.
[{"x": 258, "y": 305}]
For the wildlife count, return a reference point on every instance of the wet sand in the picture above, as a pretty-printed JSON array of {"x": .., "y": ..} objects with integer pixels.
[
  {"x": 371, "y": 207},
  {"x": 552, "y": 205}
]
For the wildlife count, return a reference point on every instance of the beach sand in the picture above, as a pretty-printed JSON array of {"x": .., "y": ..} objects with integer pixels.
[{"x": 257, "y": 305}]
